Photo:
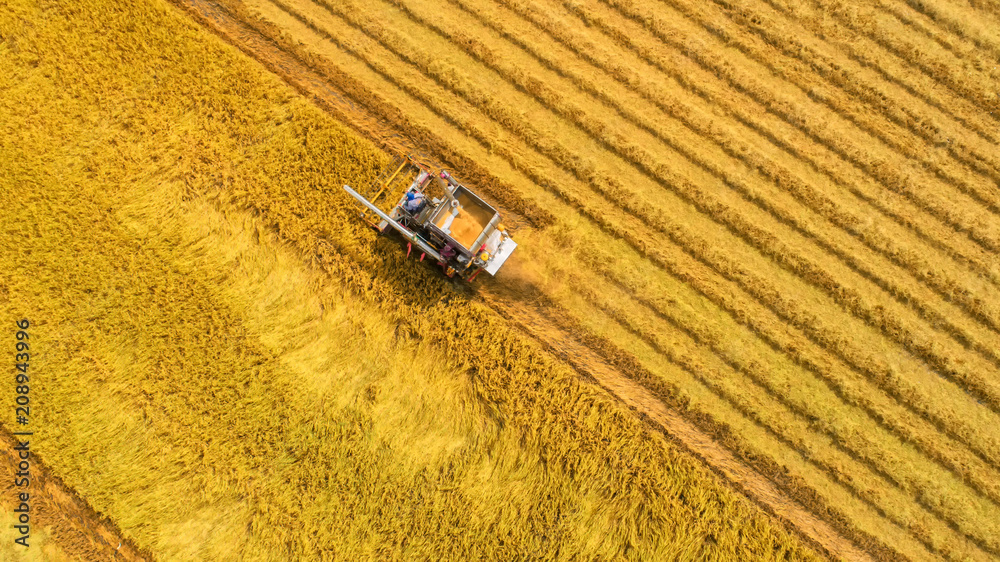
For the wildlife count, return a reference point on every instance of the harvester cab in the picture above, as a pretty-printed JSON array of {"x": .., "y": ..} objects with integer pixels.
[{"x": 444, "y": 219}]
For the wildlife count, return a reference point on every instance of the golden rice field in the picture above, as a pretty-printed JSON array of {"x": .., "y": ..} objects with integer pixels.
[{"x": 754, "y": 312}]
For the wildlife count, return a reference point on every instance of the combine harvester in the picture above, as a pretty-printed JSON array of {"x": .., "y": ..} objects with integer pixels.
[{"x": 443, "y": 218}]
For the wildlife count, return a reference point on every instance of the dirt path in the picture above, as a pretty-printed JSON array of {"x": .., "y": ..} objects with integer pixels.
[
  {"x": 74, "y": 525},
  {"x": 332, "y": 97}
]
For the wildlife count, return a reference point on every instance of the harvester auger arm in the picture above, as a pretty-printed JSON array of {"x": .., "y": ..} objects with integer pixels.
[{"x": 407, "y": 233}]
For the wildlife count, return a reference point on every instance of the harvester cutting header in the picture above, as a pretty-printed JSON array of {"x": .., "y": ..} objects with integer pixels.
[{"x": 443, "y": 218}]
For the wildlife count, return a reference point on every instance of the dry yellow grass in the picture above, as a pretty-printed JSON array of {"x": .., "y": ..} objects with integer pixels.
[
  {"x": 42, "y": 548},
  {"x": 229, "y": 369}
]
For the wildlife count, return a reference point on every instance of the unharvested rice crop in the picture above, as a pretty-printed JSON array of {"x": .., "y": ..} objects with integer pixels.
[{"x": 226, "y": 366}]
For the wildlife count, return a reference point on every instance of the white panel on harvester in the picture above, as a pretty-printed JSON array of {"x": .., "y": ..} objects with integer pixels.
[{"x": 506, "y": 249}]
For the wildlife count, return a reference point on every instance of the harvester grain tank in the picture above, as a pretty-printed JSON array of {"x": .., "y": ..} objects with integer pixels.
[{"x": 444, "y": 219}]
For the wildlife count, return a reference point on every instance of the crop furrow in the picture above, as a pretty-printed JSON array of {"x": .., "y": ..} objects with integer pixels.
[
  {"x": 952, "y": 105},
  {"x": 982, "y": 160},
  {"x": 969, "y": 467},
  {"x": 974, "y": 161},
  {"x": 853, "y": 480},
  {"x": 954, "y": 44},
  {"x": 906, "y": 259},
  {"x": 833, "y": 70},
  {"x": 969, "y": 88},
  {"x": 885, "y": 172},
  {"x": 798, "y": 348},
  {"x": 959, "y": 26},
  {"x": 818, "y": 459},
  {"x": 977, "y": 161},
  {"x": 980, "y": 479},
  {"x": 974, "y": 258}
]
